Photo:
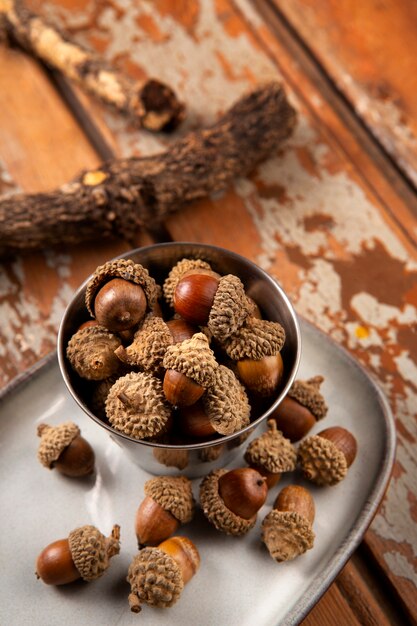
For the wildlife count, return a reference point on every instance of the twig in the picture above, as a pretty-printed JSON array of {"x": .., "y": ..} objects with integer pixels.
[
  {"x": 126, "y": 194},
  {"x": 151, "y": 103}
]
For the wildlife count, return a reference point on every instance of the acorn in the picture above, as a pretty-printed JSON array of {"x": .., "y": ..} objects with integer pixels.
[
  {"x": 150, "y": 343},
  {"x": 218, "y": 303},
  {"x": 90, "y": 352},
  {"x": 325, "y": 458},
  {"x": 224, "y": 409},
  {"x": 256, "y": 347},
  {"x": 271, "y": 454},
  {"x": 177, "y": 272},
  {"x": 157, "y": 575},
  {"x": 84, "y": 554},
  {"x": 136, "y": 406},
  {"x": 62, "y": 448},
  {"x": 168, "y": 503},
  {"x": 181, "y": 330},
  {"x": 302, "y": 407},
  {"x": 119, "y": 293},
  {"x": 287, "y": 529},
  {"x": 230, "y": 499},
  {"x": 190, "y": 369}
]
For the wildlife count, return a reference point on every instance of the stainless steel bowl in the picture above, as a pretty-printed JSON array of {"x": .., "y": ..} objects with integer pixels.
[{"x": 195, "y": 459}]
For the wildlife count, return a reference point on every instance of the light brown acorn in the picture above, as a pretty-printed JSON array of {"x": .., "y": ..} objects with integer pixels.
[
  {"x": 287, "y": 529},
  {"x": 325, "y": 458},
  {"x": 299, "y": 411},
  {"x": 168, "y": 503},
  {"x": 231, "y": 499},
  {"x": 256, "y": 347},
  {"x": 84, "y": 554},
  {"x": 157, "y": 575},
  {"x": 62, "y": 448}
]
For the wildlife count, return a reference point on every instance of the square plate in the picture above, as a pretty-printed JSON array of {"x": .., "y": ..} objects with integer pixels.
[{"x": 238, "y": 583}]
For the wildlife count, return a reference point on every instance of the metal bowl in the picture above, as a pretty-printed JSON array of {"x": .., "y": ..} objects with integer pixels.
[{"x": 195, "y": 459}]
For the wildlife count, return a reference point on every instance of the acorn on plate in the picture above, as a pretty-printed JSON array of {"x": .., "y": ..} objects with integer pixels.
[
  {"x": 302, "y": 407},
  {"x": 62, "y": 448},
  {"x": 271, "y": 454},
  {"x": 326, "y": 457}
]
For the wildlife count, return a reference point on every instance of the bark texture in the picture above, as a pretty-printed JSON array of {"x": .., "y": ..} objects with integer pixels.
[
  {"x": 150, "y": 103},
  {"x": 126, "y": 194}
]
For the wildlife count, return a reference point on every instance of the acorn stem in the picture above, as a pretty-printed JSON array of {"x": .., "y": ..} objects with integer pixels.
[{"x": 134, "y": 603}]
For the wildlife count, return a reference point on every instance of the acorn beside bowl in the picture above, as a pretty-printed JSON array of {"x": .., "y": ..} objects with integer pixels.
[{"x": 193, "y": 459}]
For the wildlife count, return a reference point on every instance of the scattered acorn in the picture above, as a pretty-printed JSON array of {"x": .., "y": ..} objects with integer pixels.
[
  {"x": 190, "y": 367},
  {"x": 301, "y": 408},
  {"x": 231, "y": 499},
  {"x": 62, "y": 448},
  {"x": 256, "y": 347},
  {"x": 325, "y": 458},
  {"x": 157, "y": 575},
  {"x": 271, "y": 454},
  {"x": 287, "y": 529},
  {"x": 168, "y": 503},
  {"x": 119, "y": 294},
  {"x": 84, "y": 554}
]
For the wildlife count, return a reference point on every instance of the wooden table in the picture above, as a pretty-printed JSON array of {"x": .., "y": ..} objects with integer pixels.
[{"x": 333, "y": 215}]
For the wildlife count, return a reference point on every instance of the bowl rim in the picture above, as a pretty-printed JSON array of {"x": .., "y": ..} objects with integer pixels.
[{"x": 63, "y": 366}]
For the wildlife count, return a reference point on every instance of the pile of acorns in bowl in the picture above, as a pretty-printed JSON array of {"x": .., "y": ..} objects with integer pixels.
[
  {"x": 174, "y": 376},
  {"x": 178, "y": 381}
]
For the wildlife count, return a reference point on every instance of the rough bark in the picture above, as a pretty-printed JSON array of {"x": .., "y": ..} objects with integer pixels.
[
  {"x": 150, "y": 103},
  {"x": 126, "y": 194}
]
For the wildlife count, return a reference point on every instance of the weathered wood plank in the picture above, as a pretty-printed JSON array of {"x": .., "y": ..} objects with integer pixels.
[{"x": 368, "y": 50}]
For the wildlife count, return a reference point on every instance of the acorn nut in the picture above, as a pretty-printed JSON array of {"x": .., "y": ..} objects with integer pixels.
[
  {"x": 168, "y": 503},
  {"x": 190, "y": 367},
  {"x": 157, "y": 575},
  {"x": 177, "y": 272},
  {"x": 91, "y": 353},
  {"x": 230, "y": 499},
  {"x": 325, "y": 458},
  {"x": 287, "y": 529},
  {"x": 119, "y": 293},
  {"x": 256, "y": 347},
  {"x": 299, "y": 411},
  {"x": 84, "y": 554},
  {"x": 271, "y": 454},
  {"x": 62, "y": 448}
]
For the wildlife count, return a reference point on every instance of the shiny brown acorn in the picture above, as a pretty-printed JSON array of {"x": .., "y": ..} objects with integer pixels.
[
  {"x": 243, "y": 491},
  {"x": 261, "y": 376},
  {"x": 63, "y": 448},
  {"x": 84, "y": 554},
  {"x": 194, "y": 296},
  {"x": 325, "y": 458},
  {"x": 120, "y": 304}
]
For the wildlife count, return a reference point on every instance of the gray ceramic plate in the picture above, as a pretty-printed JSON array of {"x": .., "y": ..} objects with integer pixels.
[{"x": 238, "y": 583}]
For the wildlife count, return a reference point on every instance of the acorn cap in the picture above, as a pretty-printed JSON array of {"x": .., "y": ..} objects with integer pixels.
[
  {"x": 255, "y": 339},
  {"x": 121, "y": 268},
  {"x": 91, "y": 550},
  {"x": 170, "y": 457},
  {"x": 177, "y": 272},
  {"x": 193, "y": 358},
  {"x": 229, "y": 309},
  {"x": 54, "y": 440},
  {"x": 307, "y": 393},
  {"x": 155, "y": 579},
  {"x": 321, "y": 461},
  {"x": 286, "y": 534},
  {"x": 136, "y": 405},
  {"x": 217, "y": 512},
  {"x": 90, "y": 352},
  {"x": 150, "y": 343},
  {"x": 226, "y": 403},
  {"x": 173, "y": 494},
  {"x": 272, "y": 451}
]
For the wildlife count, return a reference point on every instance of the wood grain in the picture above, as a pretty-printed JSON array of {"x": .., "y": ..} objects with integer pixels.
[{"x": 368, "y": 50}]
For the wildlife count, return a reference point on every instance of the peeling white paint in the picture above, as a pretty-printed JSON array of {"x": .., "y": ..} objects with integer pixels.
[
  {"x": 381, "y": 315},
  {"x": 400, "y": 566},
  {"x": 407, "y": 368}
]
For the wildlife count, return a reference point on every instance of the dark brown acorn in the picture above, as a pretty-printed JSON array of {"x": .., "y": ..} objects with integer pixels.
[
  {"x": 63, "y": 448},
  {"x": 194, "y": 296},
  {"x": 194, "y": 421},
  {"x": 181, "y": 330},
  {"x": 120, "y": 304},
  {"x": 243, "y": 491},
  {"x": 180, "y": 390}
]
